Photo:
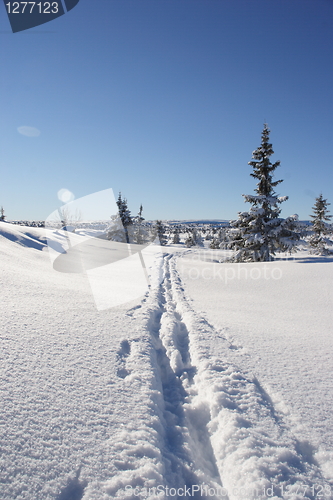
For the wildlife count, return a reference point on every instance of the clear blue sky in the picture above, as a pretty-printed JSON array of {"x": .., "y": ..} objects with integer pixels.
[{"x": 165, "y": 100}]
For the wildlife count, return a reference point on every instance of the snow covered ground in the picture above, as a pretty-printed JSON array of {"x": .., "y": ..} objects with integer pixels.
[
  {"x": 214, "y": 384},
  {"x": 278, "y": 319}
]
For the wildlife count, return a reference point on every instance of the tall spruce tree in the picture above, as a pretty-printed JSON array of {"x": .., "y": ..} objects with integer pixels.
[
  {"x": 319, "y": 240},
  {"x": 259, "y": 233},
  {"x": 125, "y": 215}
]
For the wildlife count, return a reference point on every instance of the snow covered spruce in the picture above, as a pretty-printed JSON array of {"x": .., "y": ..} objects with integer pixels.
[
  {"x": 259, "y": 233},
  {"x": 320, "y": 241},
  {"x": 125, "y": 228}
]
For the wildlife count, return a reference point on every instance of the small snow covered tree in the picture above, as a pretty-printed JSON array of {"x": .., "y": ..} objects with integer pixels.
[
  {"x": 224, "y": 237},
  {"x": 319, "y": 240},
  {"x": 125, "y": 215},
  {"x": 290, "y": 232},
  {"x": 198, "y": 239},
  {"x": 220, "y": 239},
  {"x": 194, "y": 237},
  {"x": 159, "y": 231},
  {"x": 138, "y": 233},
  {"x": 189, "y": 240},
  {"x": 116, "y": 231},
  {"x": 259, "y": 233},
  {"x": 2, "y": 214},
  {"x": 175, "y": 239},
  {"x": 208, "y": 236},
  {"x": 215, "y": 243}
]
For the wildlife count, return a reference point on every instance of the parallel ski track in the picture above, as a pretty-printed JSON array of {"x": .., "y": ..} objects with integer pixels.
[
  {"x": 187, "y": 440},
  {"x": 211, "y": 412}
]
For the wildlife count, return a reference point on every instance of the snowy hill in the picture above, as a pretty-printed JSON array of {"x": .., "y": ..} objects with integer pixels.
[{"x": 215, "y": 384}]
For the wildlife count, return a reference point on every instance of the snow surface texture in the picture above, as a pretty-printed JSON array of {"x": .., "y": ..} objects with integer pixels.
[
  {"x": 141, "y": 400},
  {"x": 278, "y": 319}
]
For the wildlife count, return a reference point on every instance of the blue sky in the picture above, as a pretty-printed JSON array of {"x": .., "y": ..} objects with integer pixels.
[{"x": 165, "y": 100}]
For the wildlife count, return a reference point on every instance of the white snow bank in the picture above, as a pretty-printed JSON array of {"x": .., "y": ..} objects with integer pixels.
[{"x": 28, "y": 237}]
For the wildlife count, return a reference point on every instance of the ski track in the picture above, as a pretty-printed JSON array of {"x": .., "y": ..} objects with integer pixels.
[{"x": 213, "y": 425}]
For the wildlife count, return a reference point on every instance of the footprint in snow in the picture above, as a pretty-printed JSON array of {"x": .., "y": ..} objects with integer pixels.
[
  {"x": 131, "y": 311},
  {"x": 74, "y": 489},
  {"x": 122, "y": 354},
  {"x": 235, "y": 347}
]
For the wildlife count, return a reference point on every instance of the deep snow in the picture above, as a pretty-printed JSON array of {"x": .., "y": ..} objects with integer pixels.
[
  {"x": 279, "y": 318},
  {"x": 196, "y": 384}
]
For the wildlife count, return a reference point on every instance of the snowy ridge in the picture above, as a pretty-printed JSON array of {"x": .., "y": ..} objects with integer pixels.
[
  {"x": 214, "y": 427},
  {"x": 27, "y": 237}
]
